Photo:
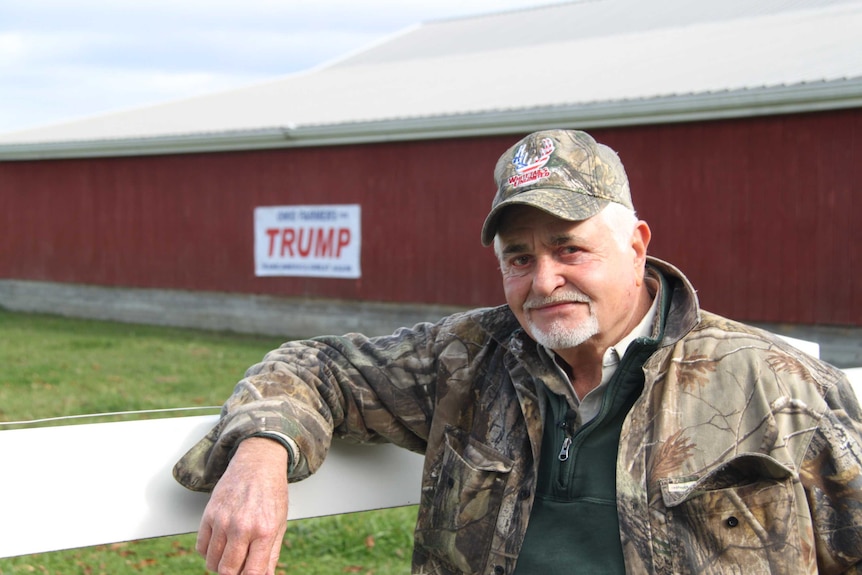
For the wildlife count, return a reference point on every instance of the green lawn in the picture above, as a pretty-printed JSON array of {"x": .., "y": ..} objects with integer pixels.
[{"x": 52, "y": 366}]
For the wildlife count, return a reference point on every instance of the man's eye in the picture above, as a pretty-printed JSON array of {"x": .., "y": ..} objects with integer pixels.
[
  {"x": 515, "y": 263},
  {"x": 569, "y": 250}
]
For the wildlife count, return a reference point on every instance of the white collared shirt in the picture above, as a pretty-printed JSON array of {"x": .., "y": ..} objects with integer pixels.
[{"x": 590, "y": 405}]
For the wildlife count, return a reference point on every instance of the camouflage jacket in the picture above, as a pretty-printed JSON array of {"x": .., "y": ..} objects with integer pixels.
[{"x": 741, "y": 455}]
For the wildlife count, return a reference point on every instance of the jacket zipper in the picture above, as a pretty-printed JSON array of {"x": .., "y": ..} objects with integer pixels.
[{"x": 568, "y": 426}]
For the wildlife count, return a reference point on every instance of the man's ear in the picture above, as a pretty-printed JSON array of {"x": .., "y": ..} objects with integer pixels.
[{"x": 640, "y": 241}]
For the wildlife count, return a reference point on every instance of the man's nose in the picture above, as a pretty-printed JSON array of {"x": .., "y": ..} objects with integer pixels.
[{"x": 548, "y": 276}]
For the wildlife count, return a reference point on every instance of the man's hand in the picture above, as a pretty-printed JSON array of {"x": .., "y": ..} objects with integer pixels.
[{"x": 244, "y": 522}]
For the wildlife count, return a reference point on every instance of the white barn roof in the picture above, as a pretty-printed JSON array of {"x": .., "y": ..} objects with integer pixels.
[{"x": 587, "y": 64}]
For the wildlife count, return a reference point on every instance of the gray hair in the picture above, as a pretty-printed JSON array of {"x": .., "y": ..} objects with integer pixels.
[{"x": 621, "y": 221}]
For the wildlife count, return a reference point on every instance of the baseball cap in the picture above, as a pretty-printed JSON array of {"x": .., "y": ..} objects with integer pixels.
[{"x": 565, "y": 173}]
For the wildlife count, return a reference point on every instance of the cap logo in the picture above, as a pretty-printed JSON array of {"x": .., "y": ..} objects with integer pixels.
[{"x": 529, "y": 169}]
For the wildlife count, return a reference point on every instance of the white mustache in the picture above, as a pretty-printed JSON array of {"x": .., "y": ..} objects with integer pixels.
[{"x": 568, "y": 297}]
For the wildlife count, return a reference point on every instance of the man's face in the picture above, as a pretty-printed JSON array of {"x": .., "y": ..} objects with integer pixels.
[{"x": 570, "y": 282}]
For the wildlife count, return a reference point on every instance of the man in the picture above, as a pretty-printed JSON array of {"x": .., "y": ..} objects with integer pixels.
[{"x": 600, "y": 422}]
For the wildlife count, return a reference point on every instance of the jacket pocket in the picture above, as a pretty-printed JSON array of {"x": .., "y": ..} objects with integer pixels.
[
  {"x": 459, "y": 512},
  {"x": 739, "y": 518}
]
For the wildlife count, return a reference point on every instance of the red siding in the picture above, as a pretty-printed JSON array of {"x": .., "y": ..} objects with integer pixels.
[
  {"x": 186, "y": 221},
  {"x": 761, "y": 213}
]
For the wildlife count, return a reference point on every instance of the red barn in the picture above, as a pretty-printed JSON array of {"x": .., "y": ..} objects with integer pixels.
[{"x": 740, "y": 127}]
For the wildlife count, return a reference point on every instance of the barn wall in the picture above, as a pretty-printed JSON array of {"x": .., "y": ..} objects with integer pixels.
[
  {"x": 763, "y": 214},
  {"x": 186, "y": 221},
  {"x": 759, "y": 212}
]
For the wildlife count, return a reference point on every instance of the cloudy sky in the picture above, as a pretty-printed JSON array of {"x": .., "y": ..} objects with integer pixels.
[{"x": 66, "y": 59}]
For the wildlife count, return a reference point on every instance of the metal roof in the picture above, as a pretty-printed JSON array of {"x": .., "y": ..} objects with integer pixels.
[{"x": 586, "y": 64}]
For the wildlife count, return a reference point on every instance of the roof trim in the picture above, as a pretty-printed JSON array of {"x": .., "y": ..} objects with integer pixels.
[{"x": 820, "y": 96}]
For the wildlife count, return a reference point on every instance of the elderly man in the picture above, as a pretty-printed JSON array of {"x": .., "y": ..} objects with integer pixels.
[{"x": 600, "y": 422}]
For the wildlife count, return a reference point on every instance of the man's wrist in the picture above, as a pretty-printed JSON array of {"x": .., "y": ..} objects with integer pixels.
[{"x": 286, "y": 442}]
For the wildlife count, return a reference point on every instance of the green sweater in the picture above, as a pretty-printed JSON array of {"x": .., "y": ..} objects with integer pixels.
[{"x": 573, "y": 527}]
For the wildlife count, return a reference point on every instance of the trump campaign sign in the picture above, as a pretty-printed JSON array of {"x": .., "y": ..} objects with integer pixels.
[{"x": 310, "y": 241}]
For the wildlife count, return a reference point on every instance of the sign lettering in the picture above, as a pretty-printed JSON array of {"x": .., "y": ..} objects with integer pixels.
[{"x": 311, "y": 241}]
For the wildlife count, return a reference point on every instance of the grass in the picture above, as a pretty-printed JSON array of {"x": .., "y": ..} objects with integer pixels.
[{"x": 54, "y": 367}]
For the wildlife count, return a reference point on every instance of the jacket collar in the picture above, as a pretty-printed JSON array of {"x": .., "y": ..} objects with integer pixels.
[{"x": 683, "y": 310}]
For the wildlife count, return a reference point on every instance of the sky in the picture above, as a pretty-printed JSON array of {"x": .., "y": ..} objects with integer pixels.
[{"x": 63, "y": 60}]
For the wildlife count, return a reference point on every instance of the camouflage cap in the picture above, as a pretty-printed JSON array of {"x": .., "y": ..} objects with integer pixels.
[{"x": 565, "y": 173}]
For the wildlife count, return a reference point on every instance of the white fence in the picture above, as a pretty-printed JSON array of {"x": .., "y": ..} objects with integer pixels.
[{"x": 82, "y": 485}]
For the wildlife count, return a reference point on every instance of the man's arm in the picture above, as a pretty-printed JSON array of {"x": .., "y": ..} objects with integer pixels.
[
  {"x": 245, "y": 520},
  {"x": 370, "y": 390}
]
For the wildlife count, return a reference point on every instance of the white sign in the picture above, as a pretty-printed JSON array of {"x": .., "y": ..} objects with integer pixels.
[{"x": 309, "y": 241}]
